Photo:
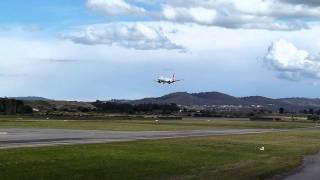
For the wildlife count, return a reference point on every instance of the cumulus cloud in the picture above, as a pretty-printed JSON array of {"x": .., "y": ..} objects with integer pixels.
[
  {"x": 228, "y": 19},
  {"x": 248, "y": 14},
  {"x": 135, "y": 36},
  {"x": 114, "y": 7},
  {"x": 292, "y": 63}
]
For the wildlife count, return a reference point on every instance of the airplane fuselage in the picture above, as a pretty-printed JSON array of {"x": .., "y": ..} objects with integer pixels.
[{"x": 165, "y": 80}]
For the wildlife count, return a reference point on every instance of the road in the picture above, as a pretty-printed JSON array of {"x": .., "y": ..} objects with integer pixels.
[{"x": 22, "y": 137}]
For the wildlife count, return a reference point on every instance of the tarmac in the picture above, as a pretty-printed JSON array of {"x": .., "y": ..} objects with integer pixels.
[
  {"x": 308, "y": 171},
  {"x": 32, "y": 137}
]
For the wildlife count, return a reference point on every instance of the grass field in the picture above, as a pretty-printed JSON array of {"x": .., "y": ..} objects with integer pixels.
[
  {"x": 217, "y": 157},
  {"x": 148, "y": 125}
]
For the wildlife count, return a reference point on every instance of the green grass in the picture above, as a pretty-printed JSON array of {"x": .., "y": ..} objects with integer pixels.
[
  {"x": 148, "y": 125},
  {"x": 217, "y": 157}
]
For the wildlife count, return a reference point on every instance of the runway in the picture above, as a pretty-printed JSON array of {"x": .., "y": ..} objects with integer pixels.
[{"x": 21, "y": 137}]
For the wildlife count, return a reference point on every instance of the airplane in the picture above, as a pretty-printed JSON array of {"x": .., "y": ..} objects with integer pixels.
[{"x": 166, "y": 80}]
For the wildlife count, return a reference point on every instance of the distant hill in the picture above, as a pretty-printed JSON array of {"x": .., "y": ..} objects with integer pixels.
[
  {"x": 30, "y": 98},
  {"x": 184, "y": 98},
  {"x": 217, "y": 98},
  {"x": 302, "y": 101}
]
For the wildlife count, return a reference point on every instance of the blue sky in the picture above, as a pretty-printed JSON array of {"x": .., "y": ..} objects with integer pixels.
[
  {"x": 57, "y": 14},
  {"x": 105, "y": 49}
]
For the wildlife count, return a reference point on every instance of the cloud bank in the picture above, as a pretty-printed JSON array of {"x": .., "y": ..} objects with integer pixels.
[
  {"x": 292, "y": 63},
  {"x": 133, "y": 36},
  {"x": 274, "y": 15},
  {"x": 246, "y": 14}
]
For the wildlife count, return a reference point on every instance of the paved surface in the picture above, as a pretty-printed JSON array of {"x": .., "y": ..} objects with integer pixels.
[
  {"x": 19, "y": 137},
  {"x": 310, "y": 170}
]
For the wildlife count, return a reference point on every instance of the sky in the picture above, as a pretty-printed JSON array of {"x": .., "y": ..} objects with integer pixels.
[{"x": 116, "y": 49}]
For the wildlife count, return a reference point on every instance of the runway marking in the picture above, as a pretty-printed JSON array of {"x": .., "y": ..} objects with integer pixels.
[{"x": 3, "y": 133}]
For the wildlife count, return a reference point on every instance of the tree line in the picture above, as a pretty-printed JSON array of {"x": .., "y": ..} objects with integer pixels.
[
  {"x": 12, "y": 106},
  {"x": 114, "y": 107}
]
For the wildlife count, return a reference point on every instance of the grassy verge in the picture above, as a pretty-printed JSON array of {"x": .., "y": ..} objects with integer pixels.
[
  {"x": 217, "y": 157},
  {"x": 140, "y": 125}
]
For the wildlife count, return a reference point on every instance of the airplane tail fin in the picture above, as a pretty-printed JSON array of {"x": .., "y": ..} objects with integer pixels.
[{"x": 173, "y": 77}]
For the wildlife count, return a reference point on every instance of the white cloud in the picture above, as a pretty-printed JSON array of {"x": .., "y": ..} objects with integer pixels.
[
  {"x": 247, "y": 14},
  {"x": 292, "y": 63},
  {"x": 114, "y": 7},
  {"x": 196, "y": 14},
  {"x": 133, "y": 36}
]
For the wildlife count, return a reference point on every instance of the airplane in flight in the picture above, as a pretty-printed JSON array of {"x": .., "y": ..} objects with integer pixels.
[{"x": 166, "y": 80}]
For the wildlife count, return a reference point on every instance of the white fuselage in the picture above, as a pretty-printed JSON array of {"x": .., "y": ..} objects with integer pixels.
[{"x": 165, "y": 80}]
